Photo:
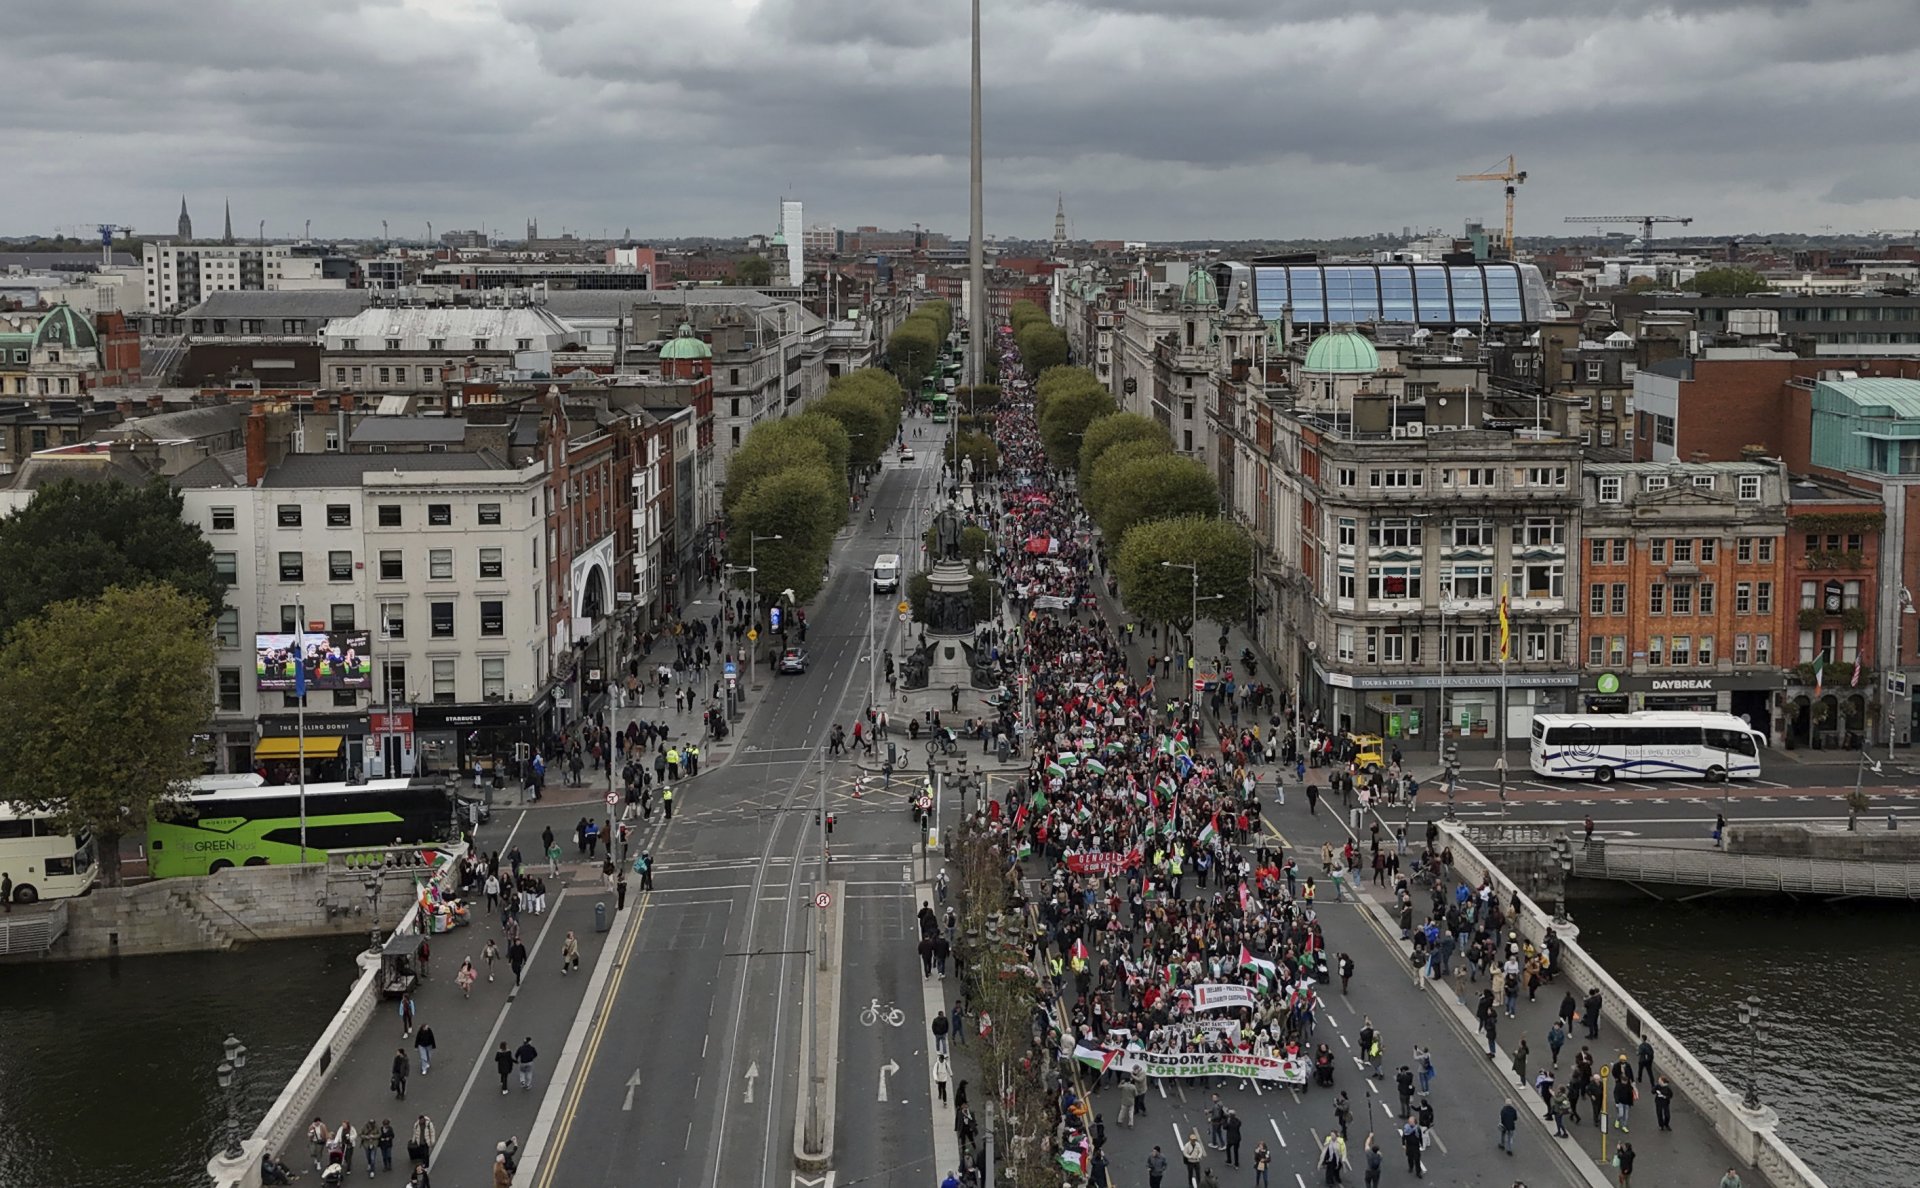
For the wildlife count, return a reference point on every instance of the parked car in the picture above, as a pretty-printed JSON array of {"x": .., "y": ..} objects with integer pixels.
[
  {"x": 794, "y": 660},
  {"x": 906, "y": 453}
]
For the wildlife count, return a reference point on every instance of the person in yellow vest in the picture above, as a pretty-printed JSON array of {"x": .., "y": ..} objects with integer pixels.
[
  {"x": 666, "y": 799},
  {"x": 673, "y": 763},
  {"x": 1174, "y": 871},
  {"x": 1059, "y": 972},
  {"x": 692, "y": 758}
]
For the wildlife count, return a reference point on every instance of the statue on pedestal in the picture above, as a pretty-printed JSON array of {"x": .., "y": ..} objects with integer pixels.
[{"x": 946, "y": 535}]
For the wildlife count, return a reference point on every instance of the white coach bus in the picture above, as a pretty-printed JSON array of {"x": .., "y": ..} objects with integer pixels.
[{"x": 1649, "y": 745}]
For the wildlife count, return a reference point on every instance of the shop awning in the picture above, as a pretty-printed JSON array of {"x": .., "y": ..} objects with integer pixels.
[{"x": 318, "y": 747}]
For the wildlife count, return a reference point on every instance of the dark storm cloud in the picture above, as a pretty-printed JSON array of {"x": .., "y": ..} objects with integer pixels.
[{"x": 1156, "y": 118}]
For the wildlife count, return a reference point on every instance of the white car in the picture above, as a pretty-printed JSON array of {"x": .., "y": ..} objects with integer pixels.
[{"x": 906, "y": 453}]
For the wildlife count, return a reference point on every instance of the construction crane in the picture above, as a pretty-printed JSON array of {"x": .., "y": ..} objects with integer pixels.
[
  {"x": 106, "y": 232},
  {"x": 1512, "y": 177},
  {"x": 1646, "y": 227}
]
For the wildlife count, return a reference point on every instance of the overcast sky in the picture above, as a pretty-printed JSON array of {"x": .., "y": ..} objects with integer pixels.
[{"x": 1158, "y": 119}]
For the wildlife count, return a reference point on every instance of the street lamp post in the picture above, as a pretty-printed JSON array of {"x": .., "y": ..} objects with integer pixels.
[
  {"x": 373, "y": 912},
  {"x": 1564, "y": 848},
  {"x": 228, "y": 1074},
  {"x": 1750, "y": 1019},
  {"x": 1193, "y": 624},
  {"x": 753, "y": 604}
]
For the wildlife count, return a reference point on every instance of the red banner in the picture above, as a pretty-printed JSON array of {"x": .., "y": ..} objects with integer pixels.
[{"x": 1104, "y": 862}]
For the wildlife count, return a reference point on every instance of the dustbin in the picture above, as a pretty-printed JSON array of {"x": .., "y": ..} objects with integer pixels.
[{"x": 600, "y": 916}]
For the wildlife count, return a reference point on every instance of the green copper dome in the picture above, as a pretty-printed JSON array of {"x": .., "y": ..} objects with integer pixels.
[
  {"x": 1341, "y": 352},
  {"x": 64, "y": 327},
  {"x": 1200, "y": 288},
  {"x": 686, "y": 345}
]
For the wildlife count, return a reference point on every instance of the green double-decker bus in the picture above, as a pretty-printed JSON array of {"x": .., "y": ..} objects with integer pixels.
[{"x": 226, "y": 821}]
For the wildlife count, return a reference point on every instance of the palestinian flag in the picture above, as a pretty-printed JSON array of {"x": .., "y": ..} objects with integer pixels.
[
  {"x": 1019, "y": 817},
  {"x": 1093, "y": 1058},
  {"x": 1210, "y": 831},
  {"x": 1166, "y": 784},
  {"x": 1068, "y": 758},
  {"x": 1074, "y": 1161},
  {"x": 1096, "y": 767},
  {"x": 1079, "y": 951},
  {"x": 1040, "y": 800},
  {"x": 1266, "y": 969},
  {"x": 1025, "y": 850},
  {"x": 1055, "y": 770},
  {"x": 1140, "y": 797}
]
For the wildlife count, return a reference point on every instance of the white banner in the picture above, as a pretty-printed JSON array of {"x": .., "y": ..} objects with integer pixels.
[
  {"x": 1219, "y": 997},
  {"x": 1198, "y": 1064}
]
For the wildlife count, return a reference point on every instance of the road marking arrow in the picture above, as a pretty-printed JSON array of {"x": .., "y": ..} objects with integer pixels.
[
  {"x": 753, "y": 1074},
  {"x": 633, "y": 1082},
  {"x": 887, "y": 1070}
]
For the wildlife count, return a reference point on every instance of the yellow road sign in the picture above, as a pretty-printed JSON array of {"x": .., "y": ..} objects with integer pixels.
[{"x": 753, "y": 634}]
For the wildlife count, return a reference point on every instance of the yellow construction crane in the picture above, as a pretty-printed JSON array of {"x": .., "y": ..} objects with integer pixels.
[{"x": 1512, "y": 177}]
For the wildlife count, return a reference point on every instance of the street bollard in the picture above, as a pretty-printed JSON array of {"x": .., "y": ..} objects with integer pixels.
[{"x": 600, "y": 916}]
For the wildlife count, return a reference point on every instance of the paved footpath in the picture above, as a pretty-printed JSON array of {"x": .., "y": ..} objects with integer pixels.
[{"x": 462, "y": 1093}]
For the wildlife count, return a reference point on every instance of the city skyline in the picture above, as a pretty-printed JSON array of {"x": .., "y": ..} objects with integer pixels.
[{"x": 1161, "y": 121}]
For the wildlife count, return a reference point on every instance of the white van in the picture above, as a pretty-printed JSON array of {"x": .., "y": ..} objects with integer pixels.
[{"x": 886, "y": 573}]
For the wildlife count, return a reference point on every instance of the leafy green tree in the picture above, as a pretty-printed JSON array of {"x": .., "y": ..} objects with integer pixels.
[
  {"x": 798, "y": 505},
  {"x": 1155, "y": 489},
  {"x": 1730, "y": 281},
  {"x": 1024, "y": 314},
  {"x": 832, "y": 436},
  {"x": 912, "y": 349},
  {"x": 865, "y": 421},
  {"x": 1058, "y": 380},
  {"x": 1111, "y": 461},
  {"x": 75, "y": 540},
  {"x": 754, "y": 270},
  {"x": 104, "y": 695},
  {"x": 1117, "y": 429},
  {"x": 768, "y": 449},
  {"x": 881, "y": 388},
  {"x": 1066, "y": 420},
  {"x": 1041, "y": 346},
  {"x": 1160, "y": 594}
]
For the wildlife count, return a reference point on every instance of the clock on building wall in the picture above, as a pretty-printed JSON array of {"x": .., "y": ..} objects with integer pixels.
[{"x": 1130, "y": 385}]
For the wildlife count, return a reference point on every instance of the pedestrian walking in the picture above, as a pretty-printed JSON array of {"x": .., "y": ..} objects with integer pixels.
[
  {"x": 1232, "y": 1131},
  {"x": 369, "y": 1144},
  {"x": 397, "y": 1083},
  {"x": 317, "y": 1135},
  {"x": 1157, "y": 1168},
  {"x": 1509, "y": 1118},
  {"x": 569, "y": 953},
  {"x": 406, "y": 1015},
  {"x": 1663, "y": 1103},
  {"x": 490, "y": 954},
  {"x": 942, "y": 1073},
  {"x": 1623, "y": 1157},
  {"x": 466, "y": 977},
  {"x": 1191, "y": 1153},
  {"x": 421, "y": 1138},
  {"x": 517, "y": 958},
  {"x": 503, "y": 1064},
  {"x": 524, "y": 1056},
  {"x": 1373, "y": 1159},
  {"x": 940, "y": 1027},
  {"x": 386, "y": 1144},
  {"x": 423, "y": 1044}
]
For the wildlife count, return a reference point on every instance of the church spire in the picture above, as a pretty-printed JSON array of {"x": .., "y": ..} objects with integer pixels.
[
  {"x": 1060, "y": 225},
  {"x": 186, "y": 222},
  {"x": 226, "y": 236}
]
